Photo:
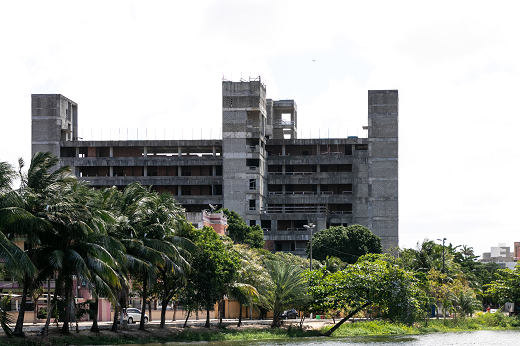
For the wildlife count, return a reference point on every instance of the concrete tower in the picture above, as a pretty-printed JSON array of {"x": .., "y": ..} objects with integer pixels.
[
  {"x": 54, "y": 119},
  {"x": 243, "y": 147},
  {"x": 383, "y": 206}
]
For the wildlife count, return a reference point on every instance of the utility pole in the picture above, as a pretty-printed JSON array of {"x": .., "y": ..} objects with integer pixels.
[{"x": 443, "y": 263}]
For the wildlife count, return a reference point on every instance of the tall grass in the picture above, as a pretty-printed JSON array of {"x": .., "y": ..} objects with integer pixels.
[{"x": 481, "y": 321}]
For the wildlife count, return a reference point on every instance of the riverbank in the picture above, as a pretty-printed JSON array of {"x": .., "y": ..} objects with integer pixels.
[{"x": 261, "y": 331}]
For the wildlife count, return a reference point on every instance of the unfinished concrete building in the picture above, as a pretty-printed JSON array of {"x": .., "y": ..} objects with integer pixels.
[{"x": 260, "y": 168}]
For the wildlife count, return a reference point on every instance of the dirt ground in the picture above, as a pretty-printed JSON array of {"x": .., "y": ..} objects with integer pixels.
[{"x": 152, "y": 330}]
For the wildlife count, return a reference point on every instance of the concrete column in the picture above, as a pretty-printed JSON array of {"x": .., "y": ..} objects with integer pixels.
[
  {"x": 214, "y": 151},
  {"x": 179, "y": 171},
  {"x": 318, "y": 189},
  {"x": 179, "y": 151},
  {"x": 318, "y": 168},
  {"x": 111, "y": 151},
  {"x": 145, "y": 151},
  {"x": 283, "y": 148},
  {"x": 179, "y": 190},
  {"x": 214, "y": 171},
  {"x": 111, "y": 171},
  {"x": 77, "y": 151},
  {"x": 145, "y": 173}
]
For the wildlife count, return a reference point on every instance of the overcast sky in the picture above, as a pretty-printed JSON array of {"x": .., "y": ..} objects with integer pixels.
[{"x": 158, "y": 65}]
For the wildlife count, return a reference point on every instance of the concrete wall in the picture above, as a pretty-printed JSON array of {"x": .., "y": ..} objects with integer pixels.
[{"x": 383, "y": 206}]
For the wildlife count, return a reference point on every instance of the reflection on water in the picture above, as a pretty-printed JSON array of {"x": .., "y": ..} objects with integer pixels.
[{"x": 479, "y": 338}]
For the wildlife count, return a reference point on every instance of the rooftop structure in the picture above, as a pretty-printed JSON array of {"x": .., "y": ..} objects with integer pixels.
[{"x": 259, "y": 168}]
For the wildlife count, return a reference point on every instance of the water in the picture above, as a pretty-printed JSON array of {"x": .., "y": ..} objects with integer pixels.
[{"x": 478, "y": 338}]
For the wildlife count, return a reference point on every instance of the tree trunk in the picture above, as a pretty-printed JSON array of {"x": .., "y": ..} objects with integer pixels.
[
  {"x": 114, "y": 323},
  {"x": 174, "y": 311},
  {"x": 35, "y": 313},
  {"x": 163, "y": 313},
  {"x": 95, "y": 307},
  {"x": 277, "y": 318},
  {"x": 220, "y": 312},
  {"x": 330, "y": 331},
  {"x": 143, "y": 309},
  {"x": 186, "y": 320},
  {"x": 207, "y": 325},
  {"x": 18, "y": 329},
  {"x": 45, "y": 330},
  {"x": 149, "y": 310},
  {"x": 65, "y": 329},
  {"x": 239, "y": 314}
]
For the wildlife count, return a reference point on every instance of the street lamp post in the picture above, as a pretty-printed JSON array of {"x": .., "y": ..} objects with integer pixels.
[
  {"x": 443, "y": 240},
  {"x": 310, "y": 226}
]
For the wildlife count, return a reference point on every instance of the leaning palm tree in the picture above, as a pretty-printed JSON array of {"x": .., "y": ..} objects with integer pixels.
[
  {"x": 38, "y": 187},
  {"x": 78, "y": 246},
  {"x": 15, "y": 220},
  {"x": 150, "y": 235},
  {"x": 287, "y": 287}
]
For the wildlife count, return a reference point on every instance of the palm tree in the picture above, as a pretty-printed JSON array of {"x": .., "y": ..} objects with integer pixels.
[
  {"x": 78, "y": 246},
  {"x": 465, "y": 302},
  {"x": 250, "y": 276},
  {"x": 287, "y": 287},
  {"x": 151, "y": 220},
  {"x": 14, "y": 221}
]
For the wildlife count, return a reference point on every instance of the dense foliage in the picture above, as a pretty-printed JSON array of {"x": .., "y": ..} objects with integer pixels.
[
  {"x": 136, "y": 242},
  {"x": 346, "y": 243}
]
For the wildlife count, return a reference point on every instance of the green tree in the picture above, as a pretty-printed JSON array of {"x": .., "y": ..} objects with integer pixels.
[
  {"x": 368, "y": 283},
  {"x": 506, "y": 286},
  {"x": 241, "y": 233},
  {"x": 214, "y": 268},
  {"x": 286, "y": 288},
  {"x": 346, "y": 243}
]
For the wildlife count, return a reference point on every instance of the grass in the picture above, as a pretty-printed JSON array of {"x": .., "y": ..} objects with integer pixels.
[
  {"x": 372, "y": 328},
  {"x": 184, "y": 336},
  {"x": 481, "y": 321}
]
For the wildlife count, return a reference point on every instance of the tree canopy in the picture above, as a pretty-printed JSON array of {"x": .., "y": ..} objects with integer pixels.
[
  {"x": 241, "y": 233},
  {"x": 346, "y": 243}
]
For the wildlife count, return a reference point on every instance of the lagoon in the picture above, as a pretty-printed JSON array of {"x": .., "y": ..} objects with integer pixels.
[{"x": 477, "y": 338}]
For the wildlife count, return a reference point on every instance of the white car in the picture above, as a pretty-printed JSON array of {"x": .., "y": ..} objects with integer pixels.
[{"x": 133, "y": 315}]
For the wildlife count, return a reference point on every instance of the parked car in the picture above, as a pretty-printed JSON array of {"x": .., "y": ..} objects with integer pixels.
[
  {"x": 133, "y": 315},
  {"x": 291, "y": 313}
]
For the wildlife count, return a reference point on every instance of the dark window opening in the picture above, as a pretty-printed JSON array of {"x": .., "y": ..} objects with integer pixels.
[
  {"x": 252, "y": 223},
  {"x": 252, "y": 204},
  {"x": 186, "y": 171},
  {"x": 252, "y": 184},
  {"x": 152, "y": 171},
  {"x": 265, "y": 224}
]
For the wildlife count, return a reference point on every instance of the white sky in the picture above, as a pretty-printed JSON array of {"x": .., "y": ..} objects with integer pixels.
[{"x": 159, "y": 65}]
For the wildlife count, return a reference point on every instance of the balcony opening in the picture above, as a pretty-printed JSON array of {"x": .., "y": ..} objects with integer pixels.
[{"x": 265, "y": 224}]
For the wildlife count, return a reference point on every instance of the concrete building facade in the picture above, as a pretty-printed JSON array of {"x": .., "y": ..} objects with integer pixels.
[{"x": 259, "y": 168}]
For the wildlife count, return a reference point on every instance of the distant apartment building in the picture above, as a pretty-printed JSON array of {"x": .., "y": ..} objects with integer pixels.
[
  {"x": 259, "y": 168},
  {"x": 500, "y": 254}
]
